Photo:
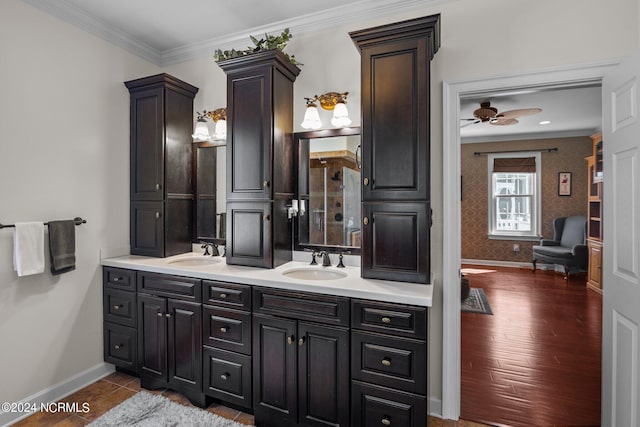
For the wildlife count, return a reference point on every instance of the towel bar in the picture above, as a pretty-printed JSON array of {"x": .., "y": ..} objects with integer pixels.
[{"x": 77, "y": 220}]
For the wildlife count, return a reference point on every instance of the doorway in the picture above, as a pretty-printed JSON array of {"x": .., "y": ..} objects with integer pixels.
[{"x": 452, "y": 93}]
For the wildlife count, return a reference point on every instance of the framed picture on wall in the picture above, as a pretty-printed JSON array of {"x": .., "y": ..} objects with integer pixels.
[{"x": 564, "y": 183}]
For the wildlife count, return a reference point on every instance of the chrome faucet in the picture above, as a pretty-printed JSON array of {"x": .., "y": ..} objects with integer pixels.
[
  {"x": 213, "y": 246},
  {"x": 326, "y": 260}
]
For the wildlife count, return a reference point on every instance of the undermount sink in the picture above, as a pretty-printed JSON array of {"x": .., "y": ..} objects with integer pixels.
[
  {"x": 319, "y": 273},
  {"x": 194, "y": 261}
]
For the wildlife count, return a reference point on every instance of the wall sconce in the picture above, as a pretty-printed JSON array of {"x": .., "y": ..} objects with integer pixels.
[
  {"x": 329, "y": 101},
  {"x": 201, "y": 132}
]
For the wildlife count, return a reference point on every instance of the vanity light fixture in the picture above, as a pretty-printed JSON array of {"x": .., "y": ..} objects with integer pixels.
[
  {"x": 329, "y": 101},
  {"x": 219, "y": 117}
]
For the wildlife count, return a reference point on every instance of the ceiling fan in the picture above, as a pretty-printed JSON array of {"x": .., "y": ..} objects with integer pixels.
[{"x": 487, "y": 113}]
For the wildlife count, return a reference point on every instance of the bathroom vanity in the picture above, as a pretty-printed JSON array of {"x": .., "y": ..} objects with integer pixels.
[{"x": 341, "y": 351}]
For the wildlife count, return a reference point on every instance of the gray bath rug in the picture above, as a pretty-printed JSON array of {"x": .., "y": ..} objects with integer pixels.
[{"x": 151, "y": 410}]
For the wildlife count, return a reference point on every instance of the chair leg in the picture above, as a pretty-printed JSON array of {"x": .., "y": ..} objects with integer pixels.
[
  {"x": 566, "y": 272},
  {"x": 534, "y": 264}
]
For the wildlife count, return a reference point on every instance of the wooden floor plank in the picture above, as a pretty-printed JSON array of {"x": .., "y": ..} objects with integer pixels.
[{"x": 537, "y": 360}]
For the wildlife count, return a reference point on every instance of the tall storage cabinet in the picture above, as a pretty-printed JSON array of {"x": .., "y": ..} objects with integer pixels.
[
  {"x": 395, "y": 147},
  {"x": 259, "y": 158},
  {"x": 161, "y": 190},
  {"x": 594, "y": 225}
]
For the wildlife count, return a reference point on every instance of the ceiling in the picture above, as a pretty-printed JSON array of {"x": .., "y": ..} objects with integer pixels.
[
  {"x": 167, "y": 32},
  {"x": 575, "y": 111}
]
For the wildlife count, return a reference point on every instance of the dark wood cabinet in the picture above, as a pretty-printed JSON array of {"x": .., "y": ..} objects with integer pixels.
[
  {"x": 301, "y": 368},
  {"x": 162, "y": 184},
  {"x": 120, "y": 318},
  {"x": 395, "y": 79},
  {"x": 259, "y": 158},
  {"x": 227, "y": 351},
  {"x": 388, "y": 364},
  {"x": 170, "y": 336}
]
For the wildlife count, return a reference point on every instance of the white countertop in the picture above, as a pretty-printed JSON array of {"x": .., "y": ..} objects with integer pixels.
[{"x": 350, "y": 286}]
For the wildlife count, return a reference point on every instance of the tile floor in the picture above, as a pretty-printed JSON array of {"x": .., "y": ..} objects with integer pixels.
[{"x": 113, "y": 389}]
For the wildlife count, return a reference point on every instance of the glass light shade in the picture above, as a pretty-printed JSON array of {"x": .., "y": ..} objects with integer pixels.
[
  {"x": 221, "y": 129},
  {"x": 340, "y": 115},
  {"x": 311, "y": 118},
  {"x": 201, "y": 132}
]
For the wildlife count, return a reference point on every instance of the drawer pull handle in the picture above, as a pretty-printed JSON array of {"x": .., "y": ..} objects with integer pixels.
[
  {"x": 118, "y": 346},
  {"x": 223, "y": 296},
  {"x": 116, "y": 279},
  {"x": 157, "y": 186},
  {"x": 386, "y": 361},
  {"x": 160, "y": 314},
  {"x": 291, "y": 339},
  {"x": 168, "y": 315},
  {"x": 225, "y": 376},
  {"x": 366, "y": 181},
  {"x": 117, "y": 307},
  {"x": 386, "y": 319},
  {"x": 365, "y": 220},
  {"x": 157, "y": 214},
  {"x": 301, "y": 342},
  {"x": 224, "y": 329},
  {"x": 265, "y": 183},
  {"x": 386, "y": 421}
]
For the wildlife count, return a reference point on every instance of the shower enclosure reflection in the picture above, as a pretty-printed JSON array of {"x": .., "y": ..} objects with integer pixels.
[{"x": 329, "y": 190}]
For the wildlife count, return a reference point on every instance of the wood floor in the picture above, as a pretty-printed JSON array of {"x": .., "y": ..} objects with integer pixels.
[
  {"x": 537, "y": 360},
  {"x": 114, "y": 389}
]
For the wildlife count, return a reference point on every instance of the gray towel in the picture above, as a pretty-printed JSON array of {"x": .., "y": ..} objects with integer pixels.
[{"x": 62, "y": 246}]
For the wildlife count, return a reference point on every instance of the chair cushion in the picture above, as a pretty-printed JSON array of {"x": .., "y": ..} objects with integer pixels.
[{"x": 560, "y": 252}]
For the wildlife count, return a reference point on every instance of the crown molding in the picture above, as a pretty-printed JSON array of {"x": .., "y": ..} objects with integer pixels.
[
  {"x": 79, "y": 18},
  {"x": 364, "y": 10}
]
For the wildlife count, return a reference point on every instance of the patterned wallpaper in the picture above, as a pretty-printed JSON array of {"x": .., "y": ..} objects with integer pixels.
[{"x": 570, "y": 157}]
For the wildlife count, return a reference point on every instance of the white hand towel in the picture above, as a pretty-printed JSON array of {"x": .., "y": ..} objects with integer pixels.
[{"x": 28, "y": 248}]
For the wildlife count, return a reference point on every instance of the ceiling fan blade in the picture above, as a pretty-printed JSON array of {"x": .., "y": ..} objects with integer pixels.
[
  {"x": 469, "y": 122},
  {"x": 522, "y": 112},
  {"x": 502, "y": 121}
]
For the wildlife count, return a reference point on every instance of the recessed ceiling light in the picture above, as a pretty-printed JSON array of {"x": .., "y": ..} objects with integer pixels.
[{"x": 545, "y": 122}]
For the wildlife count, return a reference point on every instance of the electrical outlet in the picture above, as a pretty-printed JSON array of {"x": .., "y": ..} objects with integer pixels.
[{"x": 516, "y": 248}]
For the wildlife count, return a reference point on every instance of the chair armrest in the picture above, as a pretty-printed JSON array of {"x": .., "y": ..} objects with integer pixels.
[
  {"x": 580, "y": 251},
  {"x": 549, "y": 242}
]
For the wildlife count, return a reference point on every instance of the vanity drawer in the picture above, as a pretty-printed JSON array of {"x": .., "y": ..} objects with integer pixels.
[
  {"x": 166, "y": 285},
  {"x": 119, "y": 307},
  {"x": 119, "y": 278},
  {"x": 227, "y": 376},
  {"x": 226, "y": 328},
  {"x": 329, "y": 309},
  {"x": 373, "y": 406},
  {"x": 230, "y": 295},
  {"x": 396, "y": 319},
  {"x": 120, "y": 346},
  {"x": 400, "y": 363}
]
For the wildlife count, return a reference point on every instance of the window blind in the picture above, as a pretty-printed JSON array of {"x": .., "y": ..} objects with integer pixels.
[{"x": 514, "y": 164}]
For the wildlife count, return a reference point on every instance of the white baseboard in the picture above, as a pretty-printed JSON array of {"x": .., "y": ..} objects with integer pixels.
[
  {"x": 494, "y": 263},
  {"x": 435, "y": 407},
  {"x": 57, "y": 392}
]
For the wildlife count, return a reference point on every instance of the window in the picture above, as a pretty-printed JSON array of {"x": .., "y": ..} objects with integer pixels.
[{"x": 514, "y": 196}]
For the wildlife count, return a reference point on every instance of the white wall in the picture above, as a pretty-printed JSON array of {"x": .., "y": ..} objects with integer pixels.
[
  {"x": 64, "y": 144},
  {"x": 64, "y": 138}
]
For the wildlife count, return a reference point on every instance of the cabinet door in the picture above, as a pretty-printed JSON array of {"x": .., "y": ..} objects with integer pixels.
[
  {"x": 395, "y": 121},
  {"x": 152, "y": 337},
  {"x": 274, "y": 371},
  {"x": 185, "y": 345},
  {"x": 249, "y": 134},
  {"x": 147, "y": 144},
  {"x": 249, "y": 234},
  {"x": 147, "y": 230},
  {"x": 323, "y": 375},
  {"x": 395, "y": 241}
]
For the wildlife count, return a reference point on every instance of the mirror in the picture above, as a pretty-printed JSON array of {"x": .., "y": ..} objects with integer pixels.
[
  {"x": 210, "y": 221},
  {"x": 328, "y": 191}
]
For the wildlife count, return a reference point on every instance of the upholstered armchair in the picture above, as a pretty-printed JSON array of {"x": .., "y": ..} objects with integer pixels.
[{"x": 568, "y": 247}]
